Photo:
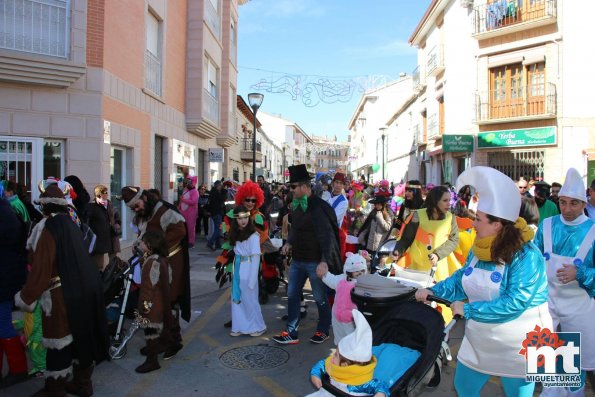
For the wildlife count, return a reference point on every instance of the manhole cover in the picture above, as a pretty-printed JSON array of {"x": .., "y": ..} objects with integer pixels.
[{"x": 254, "y": 357}]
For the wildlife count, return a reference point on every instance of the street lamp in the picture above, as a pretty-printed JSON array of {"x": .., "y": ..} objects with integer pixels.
[
  {"x": 383, "y": 131},
  {"x": 255, "y": 100}
]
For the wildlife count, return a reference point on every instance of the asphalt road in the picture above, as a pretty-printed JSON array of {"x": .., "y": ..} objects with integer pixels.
[{"x": 214, "y": 364}]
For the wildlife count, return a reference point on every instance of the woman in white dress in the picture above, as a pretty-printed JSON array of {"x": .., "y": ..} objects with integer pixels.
[{"x": 246, "y": 316}]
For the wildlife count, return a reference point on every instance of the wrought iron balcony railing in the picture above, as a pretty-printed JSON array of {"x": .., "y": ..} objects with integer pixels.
[
  {"x": 247, "y": 145},
  {"x": 499, "y": 14},
  {"x": 535, "y": 101},
  {"x": 152, "y": 72}
]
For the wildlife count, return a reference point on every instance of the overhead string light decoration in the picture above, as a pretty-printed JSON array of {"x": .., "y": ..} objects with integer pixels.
[{"x": 312, "y": 90}]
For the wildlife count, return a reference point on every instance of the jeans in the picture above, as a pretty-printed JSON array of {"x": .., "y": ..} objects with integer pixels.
[
  {"x": 298, "y": 272},
  {"x": 6, "y": 328},
  {"x": 214, "y": 239}
]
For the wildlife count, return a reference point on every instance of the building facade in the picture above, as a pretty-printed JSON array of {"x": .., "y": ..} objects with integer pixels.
[
  {"x": 331, "y": 155},
  {"x": 143, "y": 110}
]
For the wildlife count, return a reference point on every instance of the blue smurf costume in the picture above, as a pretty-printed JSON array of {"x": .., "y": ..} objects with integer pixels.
[
  {"x": 503, "y": 301},
  {"x": 566, "y": 241},
  {"x": 356, "y": 378}
]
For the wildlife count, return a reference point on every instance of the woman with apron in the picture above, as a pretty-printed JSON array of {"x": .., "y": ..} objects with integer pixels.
[{"x": 504, "y": 284}]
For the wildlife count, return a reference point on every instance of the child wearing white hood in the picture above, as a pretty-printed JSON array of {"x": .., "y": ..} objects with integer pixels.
[
  {"x": 342, "y": 320},
  {"x": 351, "y": 367}
]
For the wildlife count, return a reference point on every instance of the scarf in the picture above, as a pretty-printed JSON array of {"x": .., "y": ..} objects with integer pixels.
[
  {"x": 300, "y": 202},
  {"x": 482, "y": 247},
  {"x": 351, "y": 374},
  {"x": 236, "y": 293}
]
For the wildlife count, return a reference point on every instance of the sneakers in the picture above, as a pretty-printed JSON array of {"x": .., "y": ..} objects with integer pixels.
[
  {"x": 285, "y": 339},
  {"x": 233, "y": 333},
  {"x": 319, "y": 337},
  {"x": 258, "y": 333}
]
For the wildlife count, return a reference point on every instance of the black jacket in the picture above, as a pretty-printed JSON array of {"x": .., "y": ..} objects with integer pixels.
[
  {"x": 217, "y": 201},
  {"x": 98, "y": 219},
  {"x": 327, "y": 233},
  {"x": 13, "y": 271}
]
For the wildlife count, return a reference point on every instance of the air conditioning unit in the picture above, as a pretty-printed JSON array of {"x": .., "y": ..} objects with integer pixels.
[{"x": 466, "y": 3}]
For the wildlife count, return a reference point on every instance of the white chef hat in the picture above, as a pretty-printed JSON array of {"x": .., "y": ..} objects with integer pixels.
[
  {"x": 498, "y": 194},
  {"x": 357, "y": 346},
  {"x": 354, "y": 263},
  {"x": 573, "y": 186}
]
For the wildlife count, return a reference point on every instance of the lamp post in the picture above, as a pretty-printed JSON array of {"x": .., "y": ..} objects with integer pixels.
[
  {"x": 383, "y": 131},
  {"x": 255, "y": 100}
]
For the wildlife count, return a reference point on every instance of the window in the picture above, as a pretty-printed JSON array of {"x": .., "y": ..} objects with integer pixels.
[
  {"x": 153, "y": 54},
  {"x": 516, "y": 164},
  {"x": 211, "y": 97},
  {"x": 212, "y": 16},
  {"x": 517, "y": 90},
  {"x": 233, "y": 48},
  {"x": 212, "y": 79},
  {"x": 39, "y": 27}
]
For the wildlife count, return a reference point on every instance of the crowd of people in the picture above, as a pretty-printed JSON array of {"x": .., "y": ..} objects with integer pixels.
[{"x": 507, "y": 265}]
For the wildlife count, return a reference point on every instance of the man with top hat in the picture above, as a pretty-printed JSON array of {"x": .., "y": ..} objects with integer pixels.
[
  {"x": 546, "y": 207},
  {"x": 66, "y": 282},
  {"x": 314, "y": 242},
  {"x": 566, "y": 241},
  {"x": 154, "y": 214}
]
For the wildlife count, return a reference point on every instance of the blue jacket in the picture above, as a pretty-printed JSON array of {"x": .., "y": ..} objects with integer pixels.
[
  {"x": 566, "y": 240},
  {"x": 524, "y": 285}
]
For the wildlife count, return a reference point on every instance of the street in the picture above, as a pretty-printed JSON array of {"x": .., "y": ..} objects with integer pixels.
[{"x": 214, "y": 364}]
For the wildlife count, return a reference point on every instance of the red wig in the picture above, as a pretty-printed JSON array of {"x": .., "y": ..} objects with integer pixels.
[{"x": 250, "y": 189}]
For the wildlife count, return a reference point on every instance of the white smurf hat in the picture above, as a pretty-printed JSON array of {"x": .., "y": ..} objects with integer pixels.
[
  {"x": 498, "y": 194},
  {"x": 573, "y": 186},
  {"x": 357, "y": 346},
  {"x": 354, "y": 263}
]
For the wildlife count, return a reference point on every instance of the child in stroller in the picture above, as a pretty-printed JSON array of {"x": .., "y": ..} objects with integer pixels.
[{"x": 351, "y": 367}]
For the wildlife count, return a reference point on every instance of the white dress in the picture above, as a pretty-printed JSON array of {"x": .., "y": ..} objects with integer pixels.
[{"x": 246, "y": 316}]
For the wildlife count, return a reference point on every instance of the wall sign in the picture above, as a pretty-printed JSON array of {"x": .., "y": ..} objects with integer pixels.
[
  {"x": 457, "y": 143},
  {"x": 216, "y": 155},
  {"x": 517, "y": 138}
]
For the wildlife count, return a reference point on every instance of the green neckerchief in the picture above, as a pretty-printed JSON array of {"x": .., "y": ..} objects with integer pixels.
[{"x": 300, "y": 202}]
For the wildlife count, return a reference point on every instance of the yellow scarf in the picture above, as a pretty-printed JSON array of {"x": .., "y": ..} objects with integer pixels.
[
  {"x": 351, "y": 374},
  {"x": 482, "y": 247}
]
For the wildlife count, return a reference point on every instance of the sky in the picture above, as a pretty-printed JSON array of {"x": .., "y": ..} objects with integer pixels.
[{"x": 312, "y": 59}]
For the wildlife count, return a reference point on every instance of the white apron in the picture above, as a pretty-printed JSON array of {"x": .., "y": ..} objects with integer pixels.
[
  {"x": 493, "y": 348},
  {"x": 570, "y": 305}
]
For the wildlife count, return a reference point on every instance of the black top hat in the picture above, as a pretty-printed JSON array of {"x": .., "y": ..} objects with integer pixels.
[{"x": 299, "y": 173}]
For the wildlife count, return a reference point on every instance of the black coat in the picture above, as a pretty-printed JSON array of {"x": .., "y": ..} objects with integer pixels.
[
  {"x": 216, "y": 204},
  {"x": 98, "y": 219},
  {"x": 327, "y": 233},
  {"x": 13, "y": 271}
]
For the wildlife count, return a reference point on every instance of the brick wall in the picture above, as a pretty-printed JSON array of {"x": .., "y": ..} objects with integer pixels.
[{"x": 95, "y": 24}]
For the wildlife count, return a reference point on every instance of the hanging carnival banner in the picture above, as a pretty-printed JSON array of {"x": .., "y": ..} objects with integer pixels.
[{"x": 312, "y": 90}]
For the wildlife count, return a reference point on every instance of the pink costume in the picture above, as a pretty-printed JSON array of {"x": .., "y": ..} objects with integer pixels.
[{"x": 188, "y": 207}]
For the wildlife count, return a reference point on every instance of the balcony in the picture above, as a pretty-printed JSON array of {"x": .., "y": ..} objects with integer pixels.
[
  {"x": 530, "y": 103},
  {"x": 152, "y": 73},
  {"x": 419, "y": 80},
  {"x": 246, "y": 150},
  {"x": 501, "y": 17},
  {"x": 418, "y": 135},
  {"x": 210, "y": 107},
  {"x": 212, "y": 18},
  {"x": 435, "y": 61},
  {"x": 230, "y": 138}
]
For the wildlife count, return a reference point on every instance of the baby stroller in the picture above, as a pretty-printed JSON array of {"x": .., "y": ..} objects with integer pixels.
[
  {"x": 118, "y": 279},
  {"x": 417, "y": 326}
]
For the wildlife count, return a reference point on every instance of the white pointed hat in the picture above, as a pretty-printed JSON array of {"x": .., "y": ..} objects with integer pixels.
[
  {"x": 357, "y": 346},
  {"x": 573, "y": 186},
  {"x": 498, "y": 194}
]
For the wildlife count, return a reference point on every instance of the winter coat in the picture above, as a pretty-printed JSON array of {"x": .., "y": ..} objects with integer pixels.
[
  {"x": 375, "y": 229},
  {"x": 13, "y": 263},
  {"x": 105, "y": 223}
]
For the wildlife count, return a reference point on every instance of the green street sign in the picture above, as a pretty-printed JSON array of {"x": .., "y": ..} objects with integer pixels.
[
  {"x": 517, "y": 138},
  {"x": 457, "y": 143}
]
